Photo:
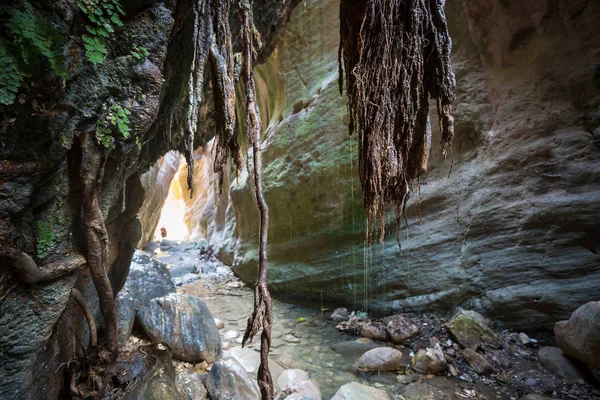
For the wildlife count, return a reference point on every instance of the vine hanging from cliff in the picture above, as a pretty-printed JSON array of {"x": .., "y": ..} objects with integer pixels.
[
  {"x": 263, "y": 307},
  {"x": 395, "y": 56}
]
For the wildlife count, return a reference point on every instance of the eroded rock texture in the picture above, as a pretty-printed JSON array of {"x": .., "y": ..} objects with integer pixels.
[
  {"x": 512, "y": 231},
  {"x": 40, "y": 155}
]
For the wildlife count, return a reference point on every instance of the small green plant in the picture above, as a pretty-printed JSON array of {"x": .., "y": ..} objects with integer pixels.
[
  {"x": 139, "y": 52},
  {"x": 45, "y": 239},
  {"x": 27, "y": 36},
  {"x": 116, "y": 119},
  {"x": 104, "y": 18}
]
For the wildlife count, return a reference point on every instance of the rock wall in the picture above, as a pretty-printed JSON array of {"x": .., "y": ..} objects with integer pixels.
[
  {"x": 512, "y": 231},
  {"x": 41, "y": 327}
]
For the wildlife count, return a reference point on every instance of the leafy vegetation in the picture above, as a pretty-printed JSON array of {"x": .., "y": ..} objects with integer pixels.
[
  {"x": 104, "y": 18},
  {"x": 139, "y": 52},
  {"x": 45, "y": 238},
  {"x": 28, "y": 37},
  {"x": 117, "y": 119}
]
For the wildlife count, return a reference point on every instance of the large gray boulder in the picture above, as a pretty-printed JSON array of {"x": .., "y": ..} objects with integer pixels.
[
  {"x": 185, "y": 324},
  {"x": 298, "y": 384},
  {"x": 553, "y": 359},
  {"x": 579, "y": 337},
  {"x": 148, "y": 278},
  {"x": 159, "y": 382},
  {"x": 228, "y": 380},
  {"x": 472, "y": 330},
  {"x": 191, "y": 386}
]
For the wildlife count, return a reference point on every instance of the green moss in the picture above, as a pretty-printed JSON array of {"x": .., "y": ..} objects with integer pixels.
[
  {"x": 45, "y": 239},
  {"x": 117, "y": 120}
]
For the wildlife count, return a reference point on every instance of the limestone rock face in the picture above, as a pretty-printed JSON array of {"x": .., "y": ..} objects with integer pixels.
[
  {"x": 148, "y": 279},
  {"x": 579, "y": 337},
  {"x": 185, "y": 324},
  {"x": 512, "y": 232}
]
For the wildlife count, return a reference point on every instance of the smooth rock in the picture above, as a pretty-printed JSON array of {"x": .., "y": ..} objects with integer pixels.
[
  {"x": 159, "y": 382},
  {"x": 579, "y": 337},
  {"x": 228, "y": 380},
  {"x": 524, "y": 338},
  {"x": 358, "y": 391},
  {"x": 355, "y": 347},
  {"x": 477, "y": 362},
  {"x": 230, "y": 335},
  {"x": 430, "y": 360},
  {"x": 340, "y": 314},
  {"x": 380, "y": 359},
  {"x": 298, "y": 384},
  {"x": 184, "y": 323},
  {"x": 191, "y": 386},
  {"x": 406, "y": 379},
  {"x": 250, "y": 360},
  {"x": 553, "y": 359},
  {"x": 422, "y": 391},
  {"x": 399, "y": 328},
  {"x": 148, "y": 279},
  {"x": 219, "y": 323},
  {"x": 471, "y": 329}
]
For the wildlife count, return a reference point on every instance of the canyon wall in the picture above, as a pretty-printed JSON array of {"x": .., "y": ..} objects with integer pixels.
[{"x": 510, "y": 226}]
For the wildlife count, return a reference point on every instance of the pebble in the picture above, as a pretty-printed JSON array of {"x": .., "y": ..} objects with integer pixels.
[
  {"x": 524, "y": 338},
  {"x": 291, "y": 339},
  {"x": 530, "y": 381}
]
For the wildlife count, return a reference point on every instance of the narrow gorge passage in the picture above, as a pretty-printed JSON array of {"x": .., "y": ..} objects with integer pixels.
[{"x": 431, "y": 171}]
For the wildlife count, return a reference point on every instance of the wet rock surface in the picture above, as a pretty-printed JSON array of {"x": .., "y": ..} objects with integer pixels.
[
  {"x": 380, "y": 359},
  {"x": 298, "y": 384},
  {"x": 185, "y": 324}
]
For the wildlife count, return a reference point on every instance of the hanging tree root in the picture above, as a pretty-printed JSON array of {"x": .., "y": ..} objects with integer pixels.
[
  {"x": 96, "y": 236},
  {"x": 395, "y": 56},
  {"x": 263, "y": 308},
  {"x": 76, "y": 294}
]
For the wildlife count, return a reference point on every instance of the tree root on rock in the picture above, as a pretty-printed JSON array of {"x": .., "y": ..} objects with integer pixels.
[
  {"x": 96, "y": 236},
  {"x": 76, "y": 294},
  {"x": 27, "y": 270}
]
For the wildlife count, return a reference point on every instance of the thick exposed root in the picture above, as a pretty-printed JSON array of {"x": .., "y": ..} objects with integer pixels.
[
  {"x": 27, "y": 270},
  {"x": 96, "y": 236},
  {"x": 76, "y": 294},
  {"x": 262, "y": 298},
  {"x": 395, "y": 56}
]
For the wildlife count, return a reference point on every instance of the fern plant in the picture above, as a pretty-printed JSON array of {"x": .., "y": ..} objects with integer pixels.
[
  {"x": 139, "y": 52},
  {"x": 104, "y": 18},
  {"x": 28, "y": 36},
  {"x": 117, "y": 119}
]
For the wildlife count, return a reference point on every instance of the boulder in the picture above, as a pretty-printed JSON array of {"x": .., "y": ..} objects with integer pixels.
[
  {"x": 148, "y": 278},
  {"x": 250, "y": 359},
  {"x": 159, "y": 382},
  {"x": 430, "y": 360},
  {"x": 477, "y": 362},
  {"x": 228, "y": 380},
  {"x": 380, "y": 359},
  {"x": 358, "y": 391},
  {"x": 298, "y": 384},
  {"x": 374, "y": 331},
  {"x": 579, "y": 337},
  {"x": 191, "y": 386},
  {"x": 185, "y": 324},
  {"x": 472, "y": 330},
  {"x": 400, "y": 328},
  {"x": 553, "y": 359},
  {"x": 340, "y": 315}
]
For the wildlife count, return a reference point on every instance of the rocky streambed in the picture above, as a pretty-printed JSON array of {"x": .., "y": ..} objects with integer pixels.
[{"x": 200, "y": 313}]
